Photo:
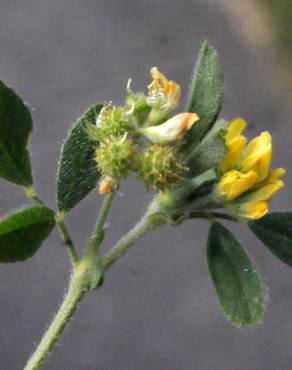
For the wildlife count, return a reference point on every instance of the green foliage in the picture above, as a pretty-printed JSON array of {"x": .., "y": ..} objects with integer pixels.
[
  {"x": 15, "y": 127},
  {"x": 208, "y": 154},
  {"x": 179, "y": 161},
  {"x": 22, "y": 233},
  {"x": 275, "y": 231},
  {"x": 237, "y": 284},
  {"x": 206, "y": 95},
  {"x": 77, "y": 173}
]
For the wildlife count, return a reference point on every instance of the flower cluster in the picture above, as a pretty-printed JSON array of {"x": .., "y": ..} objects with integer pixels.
[
  {"x": 142, "y": 137},
  {"x": 247, "y": 183},
  {"x": 121, "y": 132}
]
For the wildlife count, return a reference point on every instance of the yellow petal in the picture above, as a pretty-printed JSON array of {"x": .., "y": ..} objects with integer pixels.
[
  {"x": 258, "y": 144},
  {"x": 171, "y": 130},
  {"x": 172, "y": 90},
  {"x": 234, "y": 151},
  {"x": 234, "y": 129},
  {"x": 256, "y": 205},
  {"x": 266, "y": 192},
  {"x": 235, "y": 143},
  {"x": 157, "y": 76},
  {"x": 163, "y": 91},
  {"x": 234, "y": 183},
  {"x": 258, "y": 155},
  {"x": 274, "y": 175},
  {"x": 254, "y": 210},
  {"x": 181, "y": 122}
]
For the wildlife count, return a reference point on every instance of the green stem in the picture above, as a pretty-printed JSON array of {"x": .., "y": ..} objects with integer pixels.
[
  {"x": 98, "y": 232},
  {"x": 31, "y": 193},
  {"x": 76, "y": 291},
  {"x": 140, "y": 229},
  {"x": 67, "y": 241},
  {"x": 211, "y": 215},
  {"x": 224, "y": 216},
  {"x": 86, "y": 276},
  {"x": 103, "y": 213}
]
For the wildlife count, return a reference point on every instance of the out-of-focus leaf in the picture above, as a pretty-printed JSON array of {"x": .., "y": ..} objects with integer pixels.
[{"x": 15, "y": 126}]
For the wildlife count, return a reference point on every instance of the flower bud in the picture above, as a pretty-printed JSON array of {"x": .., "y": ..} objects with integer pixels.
[
  {"x": 107, "y": 186},
  {"x": 173, "y": 129}
]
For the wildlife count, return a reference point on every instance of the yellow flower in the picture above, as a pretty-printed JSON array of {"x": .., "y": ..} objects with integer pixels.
[
  {"x": 274, "y": 176},
  {"x": 257, "y": 156},
  {"x": 256, "y": 203},
  {"x": 254, "y": 211},
  {"x": 163, "y": 93},
  {"x": 234, "y": 183},
  {"x": 235, "y": 143},
  {"x": 246, "y": 183},
  {"x": 171, "y": 130}
]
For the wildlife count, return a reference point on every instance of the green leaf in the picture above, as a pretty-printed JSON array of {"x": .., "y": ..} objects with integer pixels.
[
  {"x": 209, "y": 152},
  {"x": 15, "y": 127},
  {"x": 206, "y": 95},
  {"x": 237, "y": 284},
  {"x": 275, "y": 231},
  {"x": 22, "y": 233},
  {"x": 77, "y": 173}
]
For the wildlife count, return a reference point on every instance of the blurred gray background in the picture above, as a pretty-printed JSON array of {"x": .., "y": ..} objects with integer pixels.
[{"x": 157, "y": 309}]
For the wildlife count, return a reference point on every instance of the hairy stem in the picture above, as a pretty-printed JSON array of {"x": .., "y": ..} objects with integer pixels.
[
  {"x": 30, "y": 193},
  {"x": 98, "y": 233},
  {"x": 140, "y": 229},
  {"x": 87, "y": 276},
  {"x": 211, "y": 215},
  {"x": 76, "y": 291},
  {"x": 68, "y": 242}
]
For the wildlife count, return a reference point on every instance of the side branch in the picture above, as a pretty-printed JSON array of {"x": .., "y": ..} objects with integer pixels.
[
  {"x": 126, "y": 242},
  {"x": 68, "y": 242}
]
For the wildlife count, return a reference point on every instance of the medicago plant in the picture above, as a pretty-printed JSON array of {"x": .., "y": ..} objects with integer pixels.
[{"x": 196, "y": 166}]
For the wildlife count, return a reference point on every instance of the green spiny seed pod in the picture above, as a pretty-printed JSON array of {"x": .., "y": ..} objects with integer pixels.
[
  {"x": 160, "y": 166},
  {"x": 113, "y": 121},
  {"x": 115, "y": 157}
]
